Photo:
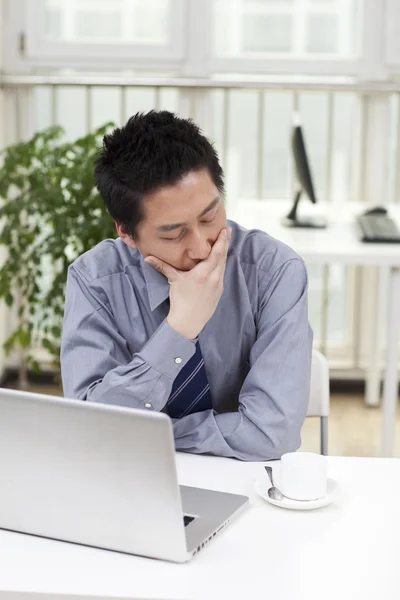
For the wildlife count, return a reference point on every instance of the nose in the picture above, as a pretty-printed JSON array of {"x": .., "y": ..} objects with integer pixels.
[{"x": 199, "y": 247}]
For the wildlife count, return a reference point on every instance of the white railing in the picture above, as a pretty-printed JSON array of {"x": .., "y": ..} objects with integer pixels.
[{"x": 365, "y": 117}]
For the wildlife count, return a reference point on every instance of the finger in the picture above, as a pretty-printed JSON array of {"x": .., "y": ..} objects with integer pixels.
[
  {"x": 221, "y": 265},
  {"x": 221, "y": 252},
  {"x": 219, "y": 271},
  {"x": 162, "y": 267},
  {"x": 218, "y": 252}
]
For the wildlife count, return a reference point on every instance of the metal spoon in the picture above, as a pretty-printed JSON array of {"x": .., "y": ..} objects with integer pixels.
[{"x": 273, "y": 491}]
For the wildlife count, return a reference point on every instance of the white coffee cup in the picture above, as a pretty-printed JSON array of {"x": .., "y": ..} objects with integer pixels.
[{"x": 303, "y": 476}]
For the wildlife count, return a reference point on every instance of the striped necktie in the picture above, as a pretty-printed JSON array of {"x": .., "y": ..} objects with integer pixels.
[{"x": 191, "y": 390}]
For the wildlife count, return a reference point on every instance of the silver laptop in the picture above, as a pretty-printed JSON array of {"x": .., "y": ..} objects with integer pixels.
[{"x": 103, "y": 476}]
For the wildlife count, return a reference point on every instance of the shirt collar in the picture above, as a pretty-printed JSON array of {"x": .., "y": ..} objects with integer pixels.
[{"x": 157, "y": 285}]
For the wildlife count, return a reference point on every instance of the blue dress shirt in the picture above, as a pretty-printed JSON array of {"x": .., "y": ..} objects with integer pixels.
[{"x": 117, "y": 347}]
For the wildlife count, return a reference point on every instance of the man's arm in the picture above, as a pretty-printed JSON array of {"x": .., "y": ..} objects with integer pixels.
[
  {"x": 96, "y": 364},
  {"x": 274, "y": 397}
]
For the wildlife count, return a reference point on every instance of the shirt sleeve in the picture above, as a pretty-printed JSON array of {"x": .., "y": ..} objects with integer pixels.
[
  {"x": 274, "y": 398},
  {"x": 96, "y": 364}
]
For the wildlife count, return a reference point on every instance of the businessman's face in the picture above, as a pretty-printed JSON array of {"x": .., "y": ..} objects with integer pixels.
[{"x": 181, "y": 222}]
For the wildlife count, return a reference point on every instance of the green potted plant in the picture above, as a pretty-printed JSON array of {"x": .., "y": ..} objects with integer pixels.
[{"x": 49, "y": 215}]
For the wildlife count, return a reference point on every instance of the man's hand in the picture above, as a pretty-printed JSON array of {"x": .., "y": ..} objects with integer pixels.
[{"x": 195, "y": 294}]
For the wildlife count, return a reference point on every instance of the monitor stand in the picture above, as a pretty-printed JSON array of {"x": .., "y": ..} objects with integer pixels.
[{"x": 292, "y": 220}]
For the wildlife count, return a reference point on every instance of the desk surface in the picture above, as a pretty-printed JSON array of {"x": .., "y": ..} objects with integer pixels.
[
  {"x": 348, "y": 550},
  {"x": 337, "y": 243}
]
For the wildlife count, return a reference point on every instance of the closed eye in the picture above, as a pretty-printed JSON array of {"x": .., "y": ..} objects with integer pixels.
[
  {"x": 210, "y": 219},
  {"x": 210, "y": 216},
  {"x": 178, "y": 237},
  {"x": 183, "y": 232}
]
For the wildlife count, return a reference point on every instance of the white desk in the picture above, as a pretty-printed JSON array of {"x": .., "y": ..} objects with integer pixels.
[
  {"x": 339, "y": 244},
  {"x": 348, "y": 550}
]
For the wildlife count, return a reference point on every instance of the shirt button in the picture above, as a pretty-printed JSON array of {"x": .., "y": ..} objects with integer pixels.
[
  {"x": 148, "y": 405},
  {"x": 178, "y": 360}
]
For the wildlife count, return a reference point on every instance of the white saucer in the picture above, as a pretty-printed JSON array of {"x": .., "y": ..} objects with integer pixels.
[{"x": 262, "y": 486}]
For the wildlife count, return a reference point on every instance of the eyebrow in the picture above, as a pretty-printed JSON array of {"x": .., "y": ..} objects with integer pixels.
[{"x": 165, "y": 228}]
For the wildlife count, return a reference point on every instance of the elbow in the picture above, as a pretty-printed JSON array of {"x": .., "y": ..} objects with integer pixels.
[
  {"x": 287, "y": 439},
  {"x": 269, "y": 451},
  {"x": 290, "y": 443},
  {"x": 273, "y": 447},
  {"x": 266, "y": 441},
  {"x": 80, "y": 392}
]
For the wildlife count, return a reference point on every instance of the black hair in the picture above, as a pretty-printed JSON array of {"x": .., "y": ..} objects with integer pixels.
[{"x": 153, "y": 149}]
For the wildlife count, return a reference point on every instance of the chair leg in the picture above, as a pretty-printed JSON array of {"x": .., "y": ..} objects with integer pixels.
[{"x": 324, "y": 436}]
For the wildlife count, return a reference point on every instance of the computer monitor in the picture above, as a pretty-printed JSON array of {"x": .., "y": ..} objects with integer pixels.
[{"x": 304, "y": 182}]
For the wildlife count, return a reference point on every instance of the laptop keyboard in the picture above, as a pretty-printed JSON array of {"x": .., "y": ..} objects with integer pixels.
[{"x": 187, "y": 520}]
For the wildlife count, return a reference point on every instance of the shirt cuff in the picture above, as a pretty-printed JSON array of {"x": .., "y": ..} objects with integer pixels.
[{"x": 168, "y": 351}]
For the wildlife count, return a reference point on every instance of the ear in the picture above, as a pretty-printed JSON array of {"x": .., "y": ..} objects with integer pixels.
[{"x": 124, "y": 235}]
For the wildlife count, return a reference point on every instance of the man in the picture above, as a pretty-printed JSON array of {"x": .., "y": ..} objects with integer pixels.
[{"x": 182, "y": 313}]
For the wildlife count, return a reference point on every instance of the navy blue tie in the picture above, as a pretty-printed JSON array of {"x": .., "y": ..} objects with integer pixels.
[{"x": 191, "y": 390}]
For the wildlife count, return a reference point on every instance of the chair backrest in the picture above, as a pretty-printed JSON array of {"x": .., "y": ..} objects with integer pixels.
[{"x": 319, "y": 388}]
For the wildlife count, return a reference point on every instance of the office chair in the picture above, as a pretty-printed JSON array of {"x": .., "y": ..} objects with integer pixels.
[{"x": 319, "y": 395}]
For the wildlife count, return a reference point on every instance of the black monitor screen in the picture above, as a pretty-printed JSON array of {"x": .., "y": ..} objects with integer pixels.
[{"x": 301, "y": 163}]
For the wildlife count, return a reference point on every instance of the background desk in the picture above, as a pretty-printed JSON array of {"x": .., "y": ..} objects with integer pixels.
[
  {"x": 339, "y": 244},
  {"x": 348, "y": 550}
]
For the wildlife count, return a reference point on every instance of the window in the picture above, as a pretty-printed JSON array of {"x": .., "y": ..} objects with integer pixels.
[
  {"x": 135, "y": 32},
  {"x": 261, "y": 30},
  {"x": 116, "y": 21},
  {"x": 175, "y": 36}
]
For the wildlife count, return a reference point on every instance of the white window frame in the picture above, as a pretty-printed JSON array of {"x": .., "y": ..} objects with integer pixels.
[
  {"x": 286, "y": 63},
  {"x": 26, "y": 18}
]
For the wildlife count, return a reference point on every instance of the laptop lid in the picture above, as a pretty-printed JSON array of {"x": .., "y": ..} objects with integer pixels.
[{"x": 94, "y": 474}]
